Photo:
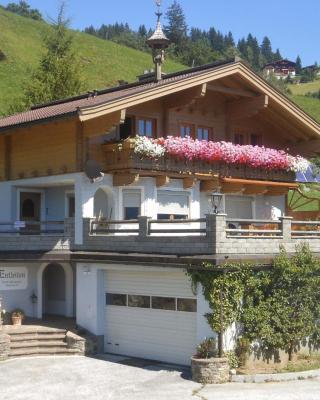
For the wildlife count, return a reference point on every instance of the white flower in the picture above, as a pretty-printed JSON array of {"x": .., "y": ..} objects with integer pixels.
[
  {"x": 145, "y": 147},
  {"x": 298, "y": 164}
]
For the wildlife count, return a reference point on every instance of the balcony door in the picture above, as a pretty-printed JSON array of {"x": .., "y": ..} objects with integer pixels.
[{"x": 30, "y": 210}]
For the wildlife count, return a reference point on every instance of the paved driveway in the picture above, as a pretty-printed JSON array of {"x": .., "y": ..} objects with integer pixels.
[{"x": 116, "y": 378}]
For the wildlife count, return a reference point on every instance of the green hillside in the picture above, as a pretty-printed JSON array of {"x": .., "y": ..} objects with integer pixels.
[{"x": 103, "y": 62}]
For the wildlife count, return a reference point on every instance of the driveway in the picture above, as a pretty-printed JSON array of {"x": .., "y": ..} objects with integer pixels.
[{"x": 118, "y": 378}]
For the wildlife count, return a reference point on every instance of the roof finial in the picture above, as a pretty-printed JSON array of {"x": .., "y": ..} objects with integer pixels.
[{"x": 158, "y": 43}]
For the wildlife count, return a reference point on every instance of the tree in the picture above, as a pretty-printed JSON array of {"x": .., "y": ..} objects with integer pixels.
[
  {"x": 24, "y": 9},
  {"x": 277, "y": 55},
  {"x": 176, "y": 29},
  {"x": 266, "y": 50},
  {"x": 298, "y": 66},
  {"x": 58, "y": 74},
  {"x": 281, "y": 308}
]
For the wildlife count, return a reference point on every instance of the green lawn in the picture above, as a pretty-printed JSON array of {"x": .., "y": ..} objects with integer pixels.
[
  {"x": 103, "y": 62},
  {"x": 309, "y": 105},
  {"x": 304, "y": 88}
]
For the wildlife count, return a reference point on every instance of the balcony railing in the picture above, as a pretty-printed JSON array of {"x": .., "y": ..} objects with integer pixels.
[
  {"x": 121, "y": 157},
  {"x": 215, "y": 234}
]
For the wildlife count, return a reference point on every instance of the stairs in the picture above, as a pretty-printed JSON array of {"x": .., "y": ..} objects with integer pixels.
[{"x": 39, "y": 341}]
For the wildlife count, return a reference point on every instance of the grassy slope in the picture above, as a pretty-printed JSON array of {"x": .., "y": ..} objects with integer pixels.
[
  {"x": 304, "y": 88},
  {"x": 103, "y": 62}
]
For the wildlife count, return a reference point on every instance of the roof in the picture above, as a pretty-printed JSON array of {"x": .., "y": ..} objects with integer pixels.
[
  {"x": 70, "y": 106},
  {"x": 281, "y": 63},
  {"x": 93, "y": 104}
]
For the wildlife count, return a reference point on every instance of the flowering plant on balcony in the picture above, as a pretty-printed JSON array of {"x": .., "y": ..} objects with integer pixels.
[{"x": 229, "y": 153}]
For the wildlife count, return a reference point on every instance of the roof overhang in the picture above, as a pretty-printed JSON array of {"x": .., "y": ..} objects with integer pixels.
[{"x": 239, "y": 69}]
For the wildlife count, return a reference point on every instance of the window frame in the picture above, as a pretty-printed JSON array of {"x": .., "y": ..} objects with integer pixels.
[
  {"x": 210, "y": 132},
  {"x": 247, "y": 137},
  {"x": 121, "y": 198},
  {"x": 154, "y": 123},
  {"x": 174, "y": 191},
  {"x": 183, "y": 124}
]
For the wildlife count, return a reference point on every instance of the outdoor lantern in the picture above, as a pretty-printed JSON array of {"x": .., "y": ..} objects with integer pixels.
[
  {"x": 34, "y": 298},
  {"x": 215, "y": 200}
]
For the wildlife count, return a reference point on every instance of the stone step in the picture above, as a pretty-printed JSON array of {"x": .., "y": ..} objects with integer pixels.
[
  {"x": 50, "y": 351},
  {"x": 30, "y": 329},
  {"x": 38, "y": 337},
  {"x": 38, "y": 344}
]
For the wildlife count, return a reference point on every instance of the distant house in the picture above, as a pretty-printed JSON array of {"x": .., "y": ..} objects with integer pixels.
[
  {"x": 312, "y": 68},
  {"x": 281, "y": 69}
]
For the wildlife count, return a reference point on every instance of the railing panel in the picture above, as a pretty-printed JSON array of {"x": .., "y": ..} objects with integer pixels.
[
  {"x": 32, "y": 228},
  {"x": 181, "y": 227},
  {"x": 114, "y": 227},
  {"x": 253, "y": 228},
  {"x": 305, "y": 229}
]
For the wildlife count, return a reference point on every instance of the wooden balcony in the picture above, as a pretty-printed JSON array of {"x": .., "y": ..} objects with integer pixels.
[{"x": 121, "y": 158}]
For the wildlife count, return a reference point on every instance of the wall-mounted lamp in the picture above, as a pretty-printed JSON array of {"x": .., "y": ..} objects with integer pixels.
[{"x": 34, "y": 298}]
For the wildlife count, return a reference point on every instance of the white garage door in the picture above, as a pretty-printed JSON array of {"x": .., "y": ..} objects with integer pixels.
[{"x": 150, "y": 315}]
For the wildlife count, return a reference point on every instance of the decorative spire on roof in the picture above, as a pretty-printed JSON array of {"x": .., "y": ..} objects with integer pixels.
[{"x": 158, "y": 43}]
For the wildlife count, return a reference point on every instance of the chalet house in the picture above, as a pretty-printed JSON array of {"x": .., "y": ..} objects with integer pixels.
[
  {"x": 98, "y": 220},
  {"x": 281, "y": 69}
]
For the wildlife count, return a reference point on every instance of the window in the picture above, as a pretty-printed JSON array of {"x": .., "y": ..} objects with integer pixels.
[
  {"x": 173, "y": 205},
  {"x": 239, "y": 138},
  {"x": 255, "y": 140},
  {"x": 204, "y": 133},
  {"x": 186, "y": 130},
  {"x": 164, "y": 303},
  {"x": 187, "y": 305},
  {"x": 115, "y": 299},
  {"x": 139, "y": 301},
  {"x": 131, "y": 203},
  {"x": 146, "y": 127},
  {"x": 239, "y": 207}
]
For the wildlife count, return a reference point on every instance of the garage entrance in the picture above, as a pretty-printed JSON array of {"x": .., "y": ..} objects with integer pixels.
[{"x": 150, "y": 315}]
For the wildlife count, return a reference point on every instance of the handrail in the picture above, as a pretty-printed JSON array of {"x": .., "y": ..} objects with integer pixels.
[
  {"x": 256, "y": 221},
  {"x": 176, "y": 221}
]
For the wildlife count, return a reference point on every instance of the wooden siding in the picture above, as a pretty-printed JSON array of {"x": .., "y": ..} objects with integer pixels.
[{"x": 42, "y": 150}]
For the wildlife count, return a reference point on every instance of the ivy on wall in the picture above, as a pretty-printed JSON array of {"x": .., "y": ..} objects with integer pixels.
[{"x": 278, "y": 307}]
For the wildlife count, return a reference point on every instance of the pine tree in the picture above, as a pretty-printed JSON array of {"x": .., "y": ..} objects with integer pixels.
[
  {"x": 266, "y": 50},
  {"x": 277, "y": 56},
  {"x": 176, "y": 29},
  {"x": 142, "y": 31},
  {"x": 58, "y": 74},
  {"x": 298, "y": 65}
]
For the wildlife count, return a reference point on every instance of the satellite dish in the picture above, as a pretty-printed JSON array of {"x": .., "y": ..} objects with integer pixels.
[{"x": 93, "y": 171}]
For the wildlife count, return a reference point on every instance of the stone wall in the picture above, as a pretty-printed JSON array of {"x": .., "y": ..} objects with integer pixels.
[
  {"x": 211, "y": 370},
  {"x": 4, "y": 346}
]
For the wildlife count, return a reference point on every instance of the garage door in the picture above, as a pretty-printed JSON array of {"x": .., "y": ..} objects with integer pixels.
[{"x": 150, "y": 315}]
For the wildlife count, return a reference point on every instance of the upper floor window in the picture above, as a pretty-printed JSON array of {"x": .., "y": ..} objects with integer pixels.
[
  {"x": 186, "y": 130},
  {"x": 173, "y": 205},
  {"x": 239, "y": 138},
  {"x": 252, "y": 138},
  {"x": 255, "y": 140},
  {"x": 131, "y": 203},
  {"x": 146, "y": 127},
  {"x": 204, "y": 133}
]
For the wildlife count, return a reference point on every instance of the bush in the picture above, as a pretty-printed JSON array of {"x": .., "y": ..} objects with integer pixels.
[{"x": 207, "y": 348}]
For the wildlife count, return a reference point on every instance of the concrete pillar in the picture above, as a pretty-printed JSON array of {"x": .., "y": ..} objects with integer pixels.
[
  {"x": 143, "y": 227},
  {"x": 286, "y": 223},
  {"x": 216, "y": 230}
]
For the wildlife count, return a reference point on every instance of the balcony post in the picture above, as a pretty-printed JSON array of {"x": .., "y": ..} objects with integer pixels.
[
  {"x": 216, "y": 230},
  {"x": 143, "y": 227},
  {"x": 286, "y": 223}
]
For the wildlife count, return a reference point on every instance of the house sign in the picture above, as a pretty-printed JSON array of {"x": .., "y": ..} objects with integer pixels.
[{"x": 13, "y": 278}]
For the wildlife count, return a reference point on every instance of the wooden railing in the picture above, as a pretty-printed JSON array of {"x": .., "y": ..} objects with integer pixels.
[
  {"x": 177, "y": 226},
  {"x": 32, "y": 227},
  {"x": 121, "y": 157},
  {"x": 305, "y": 229},
  {"x": 249, "y": 228},
  {"x": 98, "y": 227}
]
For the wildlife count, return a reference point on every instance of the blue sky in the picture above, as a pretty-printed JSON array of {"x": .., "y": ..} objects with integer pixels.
[{"x": 292, "y": 25}]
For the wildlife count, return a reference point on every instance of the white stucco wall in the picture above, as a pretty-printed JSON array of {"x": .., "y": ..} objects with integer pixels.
[{"x": 12, "y": 299}]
